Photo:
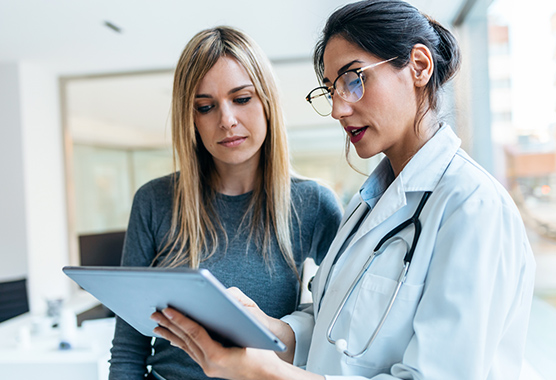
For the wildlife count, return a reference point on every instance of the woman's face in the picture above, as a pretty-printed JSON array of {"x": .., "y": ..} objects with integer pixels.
[
  {"x": 229, "y": 116},
  {"x": 382, "y": 121}
]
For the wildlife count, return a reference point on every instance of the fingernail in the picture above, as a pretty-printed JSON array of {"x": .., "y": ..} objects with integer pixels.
[
  {"x": 168, "y": 313},
  {"x": 155, "y": 318}
]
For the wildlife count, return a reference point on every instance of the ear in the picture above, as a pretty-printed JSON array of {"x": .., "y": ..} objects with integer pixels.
[{"x": 422, "y": 64}]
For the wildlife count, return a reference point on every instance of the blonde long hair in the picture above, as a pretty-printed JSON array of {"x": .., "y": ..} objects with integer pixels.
[{"x": 193, "y": 234}]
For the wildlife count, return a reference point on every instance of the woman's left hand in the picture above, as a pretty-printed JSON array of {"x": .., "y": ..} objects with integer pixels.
[{"x": 215, "y": 359}]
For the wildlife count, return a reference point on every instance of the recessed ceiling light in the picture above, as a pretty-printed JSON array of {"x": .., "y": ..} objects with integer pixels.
[{"x": 112, "y": 26}]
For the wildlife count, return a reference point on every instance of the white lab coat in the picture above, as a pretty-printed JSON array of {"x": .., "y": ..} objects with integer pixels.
[{"x": 464, "y": 309}]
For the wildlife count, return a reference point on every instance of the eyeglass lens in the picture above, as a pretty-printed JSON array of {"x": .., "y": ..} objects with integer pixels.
[
  {"x": 348, "y": 85},
  {"x": 321, "y": 101}
]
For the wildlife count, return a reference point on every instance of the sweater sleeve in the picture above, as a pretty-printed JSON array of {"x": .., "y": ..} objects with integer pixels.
[
  {"x": 130, "y": 348},
  {"x": 327, "y": 220},
  {"x": 323, "y": 214}
]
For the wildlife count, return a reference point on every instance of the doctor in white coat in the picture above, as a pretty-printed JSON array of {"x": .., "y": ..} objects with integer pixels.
[{"x": 431, "y": 273}]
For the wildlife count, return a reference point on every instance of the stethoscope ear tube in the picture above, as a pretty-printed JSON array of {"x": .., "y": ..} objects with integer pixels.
[
  {"x": 415, "y": 220},
  {"x": 341, "y": 344},
  {"x": 409, "y": 255},
  {"x": 346, "y": 296}
]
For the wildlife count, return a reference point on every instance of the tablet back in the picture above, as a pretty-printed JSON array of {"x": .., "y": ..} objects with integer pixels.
[{"x": 135, "y": 293}]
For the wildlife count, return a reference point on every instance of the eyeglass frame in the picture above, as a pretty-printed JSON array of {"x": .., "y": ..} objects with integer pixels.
[{"x": 328, "y": 89}]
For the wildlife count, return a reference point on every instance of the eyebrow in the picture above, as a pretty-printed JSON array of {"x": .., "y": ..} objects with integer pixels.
[
  {"x": 343, "y": 69},
  {"x": 232, "y": 91}
]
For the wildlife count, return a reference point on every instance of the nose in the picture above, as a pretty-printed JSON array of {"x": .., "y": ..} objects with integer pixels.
[
  {"x": 340, "y": 107},
  {"x": 228, "y": 118}
]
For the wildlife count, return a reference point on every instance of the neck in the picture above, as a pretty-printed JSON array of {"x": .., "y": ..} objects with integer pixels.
[
  {"x": 424, "y": 133},
  {"x": 236, "y": 180}
]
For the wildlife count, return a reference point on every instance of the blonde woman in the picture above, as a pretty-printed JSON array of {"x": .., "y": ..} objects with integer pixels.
[{"x": 232, "y": 206}]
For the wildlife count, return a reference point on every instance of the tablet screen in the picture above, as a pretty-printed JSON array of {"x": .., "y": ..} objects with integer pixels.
[{"x": 134, "y": 293}]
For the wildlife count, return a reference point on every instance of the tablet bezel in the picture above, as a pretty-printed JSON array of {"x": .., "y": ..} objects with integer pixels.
[{"x": 134, "y": 293}]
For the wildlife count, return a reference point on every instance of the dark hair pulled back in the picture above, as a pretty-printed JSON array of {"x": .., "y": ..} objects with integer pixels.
[{"x": 391, "y": 28}]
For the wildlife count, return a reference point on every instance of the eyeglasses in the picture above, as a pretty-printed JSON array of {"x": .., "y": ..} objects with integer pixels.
[{"x": 349, "y": 85}]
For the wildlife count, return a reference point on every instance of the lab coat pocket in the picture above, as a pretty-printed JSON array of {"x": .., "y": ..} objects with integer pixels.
[{"x": 373, "y": 297}]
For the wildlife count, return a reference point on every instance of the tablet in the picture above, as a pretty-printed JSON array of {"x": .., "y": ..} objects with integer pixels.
[{"x": 134, "y": 293}]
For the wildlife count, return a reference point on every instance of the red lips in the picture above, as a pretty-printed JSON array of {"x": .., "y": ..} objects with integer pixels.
[{"x": 355, "y": 133}]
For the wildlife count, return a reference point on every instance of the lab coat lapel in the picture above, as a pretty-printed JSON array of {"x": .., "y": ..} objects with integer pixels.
[
  {"x": 353, "y": 213},
  {"x": 390, "y": 202},
  {"x": 434, "y": 157}
]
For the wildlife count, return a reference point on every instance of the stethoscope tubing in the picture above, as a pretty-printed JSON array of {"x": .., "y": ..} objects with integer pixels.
[
  {"x": 401, "y": 280},
  {"x": 341, "y": 344},
  {"x": 368, "y": 263}
]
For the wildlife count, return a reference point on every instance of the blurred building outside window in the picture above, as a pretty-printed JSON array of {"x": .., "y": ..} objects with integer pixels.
[{"x": 522, "y": 68}]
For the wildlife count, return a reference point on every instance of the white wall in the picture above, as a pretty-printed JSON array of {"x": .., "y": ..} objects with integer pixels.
[
  {"x": 13, "y": 234},
  {"x": 33, "y": 190}
]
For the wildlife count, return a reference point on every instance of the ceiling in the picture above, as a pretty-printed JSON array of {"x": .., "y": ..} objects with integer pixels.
[
  {"x": 118, "y": 83},
  {"x": 71, "y": 37}
]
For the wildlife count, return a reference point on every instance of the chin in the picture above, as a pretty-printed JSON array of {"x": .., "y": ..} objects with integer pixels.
[{"x": 364, "y": 154}]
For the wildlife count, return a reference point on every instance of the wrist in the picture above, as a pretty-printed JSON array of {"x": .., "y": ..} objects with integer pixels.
[
  {"x": 284, "y": 332},
  {"x": 280, "y": 370}
]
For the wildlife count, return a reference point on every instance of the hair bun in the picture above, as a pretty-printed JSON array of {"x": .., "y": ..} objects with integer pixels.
[{"x": 448, "y": 62}]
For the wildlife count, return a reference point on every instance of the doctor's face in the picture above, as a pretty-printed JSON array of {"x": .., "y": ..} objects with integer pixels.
[
  {"x": 229, "y": 116},
  {"x": 383, "y": 119}
]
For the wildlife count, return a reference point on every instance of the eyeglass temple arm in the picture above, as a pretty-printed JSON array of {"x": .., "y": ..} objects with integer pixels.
[{"x": 308, "y": 97}]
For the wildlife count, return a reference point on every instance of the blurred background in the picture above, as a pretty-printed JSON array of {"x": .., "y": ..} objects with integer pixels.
[{"x": 85, "y": 91}]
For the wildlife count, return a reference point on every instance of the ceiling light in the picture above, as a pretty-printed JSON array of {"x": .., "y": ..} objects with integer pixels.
[{"x": 112, "y": 26}]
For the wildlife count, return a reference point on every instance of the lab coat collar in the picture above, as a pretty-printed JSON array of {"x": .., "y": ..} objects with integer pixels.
[
  {"x": 386, "y": 194},
  {"x": 422, "y": 172},
  {"x": 426, "y": 168}
]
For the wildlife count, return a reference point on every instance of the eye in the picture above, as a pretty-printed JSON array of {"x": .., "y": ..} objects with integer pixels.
[
  {"x": 356, "y": 82},
  {"x": 204, "y": 109},
  {"x": 243, "y": 100},
  {"x": 363, "y": 77}
]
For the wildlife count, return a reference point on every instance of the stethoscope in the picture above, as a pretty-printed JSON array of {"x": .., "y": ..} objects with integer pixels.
[{"x": 341, "y": 344}]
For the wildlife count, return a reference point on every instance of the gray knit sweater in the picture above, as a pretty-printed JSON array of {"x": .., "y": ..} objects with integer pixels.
[{"x": 273, "y": 287}]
